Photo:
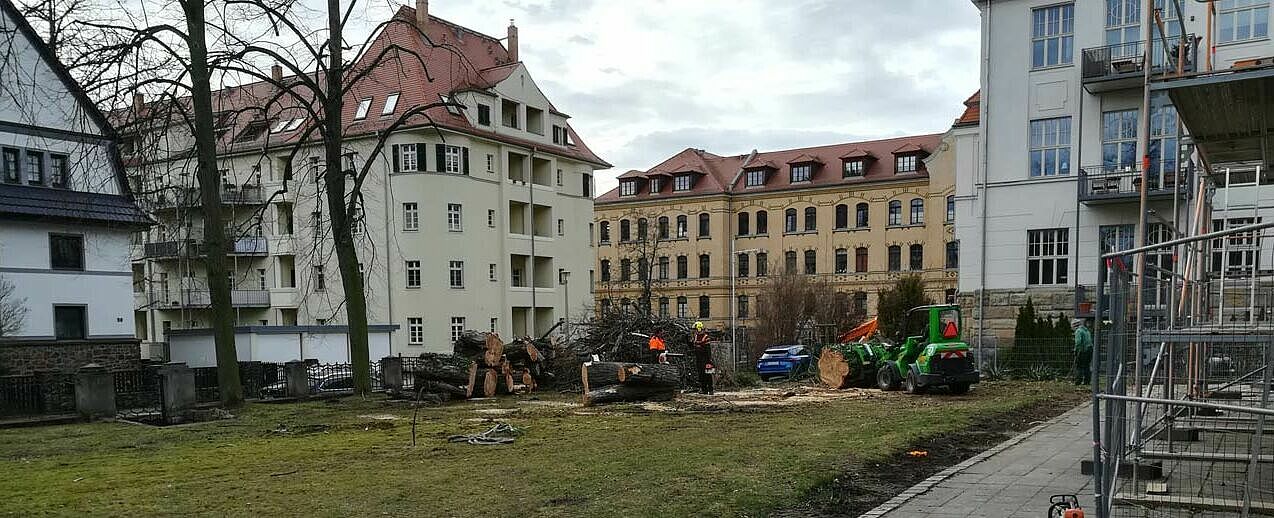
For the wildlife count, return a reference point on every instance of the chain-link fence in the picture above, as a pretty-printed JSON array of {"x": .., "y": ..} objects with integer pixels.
[{"x": 1184, "y": 354}]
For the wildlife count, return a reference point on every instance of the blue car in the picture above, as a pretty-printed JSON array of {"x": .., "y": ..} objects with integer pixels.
[{"x": 783, "y": 361}]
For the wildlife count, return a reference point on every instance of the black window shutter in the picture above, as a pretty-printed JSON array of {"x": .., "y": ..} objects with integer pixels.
[
  {"x": 464, "y": 159},
  {"x": 442, "y": 157},
  {"x": 393, "y": 150},
  {"x": 421, "y": 154}
]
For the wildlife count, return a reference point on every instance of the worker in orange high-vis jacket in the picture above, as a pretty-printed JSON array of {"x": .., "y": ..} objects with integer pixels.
[{"x": 658, "y": 347}]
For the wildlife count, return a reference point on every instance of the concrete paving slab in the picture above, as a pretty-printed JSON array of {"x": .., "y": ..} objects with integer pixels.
[{"x": 1015, "y": 478}]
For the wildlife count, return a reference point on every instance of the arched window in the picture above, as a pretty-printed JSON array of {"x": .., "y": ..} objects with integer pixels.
[
  {"x": 916, "y": 258},
  {"x": 811, "y": 262},
  {"x": 743, "y": 224},
  {"x": 895, "y": 213},
  {"x": 917, "y": 211},
  {"x": 605, "y": 233},
  {"x": 683, "y": 269},
  {"x": 643, "y": 268},
  {"x": 842, "y": 216},
  {"x": 789, "y": 220},
  {"x": 663, "y": 267},
  {"x": 705, "y": 265},
  {"x": 681, "y": 307},
  {"x": 663, "y": 307},
  {"x": 682, "y": 226},
  {"x": 811, "y": 219},
  {"x": 705, "y": 306},
  {"x": 625, "y": 231},
  {"x": 625, "y": 269},
  {"x": 895, "y": 258},
  {"x": 789, "y": 262},
  {"x": 860, "y": 259},
  {"x": 641, "y": 229},
  {"x": 860, "y": 215},
  {"x": 842, "y": 260},
  {"x": 953, "y": 254},
  {"x": 703, "y": 225},
  {"x": 663, "y": 227},
  {"x": 762, "y": 223},
  {"x": 605, "y": 270}
]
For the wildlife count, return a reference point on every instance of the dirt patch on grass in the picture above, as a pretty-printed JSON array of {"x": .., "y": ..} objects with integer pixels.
[{"x": 864, "y": 485}]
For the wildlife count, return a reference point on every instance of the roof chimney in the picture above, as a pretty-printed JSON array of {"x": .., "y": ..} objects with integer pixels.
[
  {"x": 513, "y": 42},
  {"x": 276, "y": 73},
  {"x": 422, "y": 14},
  {"x": 139, "y": 102}
]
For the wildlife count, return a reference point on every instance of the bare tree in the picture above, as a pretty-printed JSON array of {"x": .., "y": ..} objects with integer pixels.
[
  {"x": 641, "y": 258},
  {"x": 790, "y": 302},
  {"x": 13, "y": 310}
]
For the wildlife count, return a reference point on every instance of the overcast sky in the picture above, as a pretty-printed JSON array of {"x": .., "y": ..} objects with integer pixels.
[{"x": 645, "y": 79}]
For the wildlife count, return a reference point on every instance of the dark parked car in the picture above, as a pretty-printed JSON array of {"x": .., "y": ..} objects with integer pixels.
[
  {"x": 783, "y": 361},
  {"x": 319, "y": 385}
]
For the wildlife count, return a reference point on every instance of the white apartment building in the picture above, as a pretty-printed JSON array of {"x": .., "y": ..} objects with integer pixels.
[
  {"x": 65, "y": 213},
  {"x": 479, "y": 220},
  {"x": 1057, "y": 178}
]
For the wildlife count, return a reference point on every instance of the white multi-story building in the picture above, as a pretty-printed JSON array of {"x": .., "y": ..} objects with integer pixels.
[
  {"x": 65, "y": 213},
  {"x": 1058, "y": 176},
  {"x": 480, "y": 219}
]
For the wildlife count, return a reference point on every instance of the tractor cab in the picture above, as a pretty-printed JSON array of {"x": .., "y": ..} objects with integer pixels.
[{"x": 933, "y": 354}]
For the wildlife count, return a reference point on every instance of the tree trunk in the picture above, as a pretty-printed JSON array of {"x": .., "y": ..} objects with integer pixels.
[
  {"x": 439, "y": 387},
  {"x": 494, "y": 354},
  {"x": 528, "y": 380},
  {"x": 522, "y": 352},
  {"x": 833, "y": 369},
  {"x": 599, "y": 374},
  {"x": 471, "y": 344},
  {"x": 652, "y": 374},
  {"x": 442, "y": 367},
  {"x": 210, "y": 196},
  {"x": 341, "y": 209},
  {"x": 622, "y": 393},
  {"x": 485, "y": 383}
]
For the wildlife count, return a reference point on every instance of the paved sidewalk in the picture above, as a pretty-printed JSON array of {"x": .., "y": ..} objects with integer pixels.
[{"x": 1013, "y": 479}]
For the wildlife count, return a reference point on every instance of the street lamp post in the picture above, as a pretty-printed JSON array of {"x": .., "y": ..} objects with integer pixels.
[
  {"x": 562, "y": 277},
  {"x": 734, "y": 299}
]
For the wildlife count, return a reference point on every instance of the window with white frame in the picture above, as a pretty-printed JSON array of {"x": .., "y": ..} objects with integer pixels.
[
  {"x": 683, "y": 226},
  {"x": 1052, "y": 39},
  {"x": 756, "y": 177},
  {"x": 491, "y": 268},
  {"x": 1047, "y": 256},
  {"x": 682, "y": 182},
  {"x": 950, "y": 208},
  {"x": 628, "y": 188},
  {"x": 411, "y": 216},
  {"x": 917, "y": 211},
  {"x": 453, "y": 217},
  {"x": 895, "y": 213},
  {"x": 905, "y": 164},
  {"x": 363, "y": 106},
  {"x": 1123, "y": 28},
  {"x": 457, "y": 328},
  {"x": 854, "y": 168},
  {"x": 407, "y": 158},
  {"x": 801, "y": 173},
  {"x": 491, "y": 218},
  {"x": 1050, "y": 152},
  {"x": 1239, "y": 20},
  {"x": 391, "y": 103},
  {"x": 1119, "y": 140},
  {"x": 452, "y": 159},
  {"x": 561, "y": 227},
  {"x": 415, "y": 330},
  {"x": 413, "y": 274},
  {"x": 455, "y": 274}
]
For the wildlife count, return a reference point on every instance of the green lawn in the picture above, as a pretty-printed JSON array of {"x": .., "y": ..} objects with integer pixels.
[{"x": 617, "y": 462}]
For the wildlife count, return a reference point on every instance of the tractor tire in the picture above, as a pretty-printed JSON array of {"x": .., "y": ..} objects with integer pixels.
[
  {"x": 912, "y": 386},
  {"x": 958, "y": 388},
  {"x": 887, "y": 377}
]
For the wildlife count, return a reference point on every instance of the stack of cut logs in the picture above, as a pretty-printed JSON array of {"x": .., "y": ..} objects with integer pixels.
[
  {"x": 497, "y": 367},
  {"x": 614, "y": 382}
]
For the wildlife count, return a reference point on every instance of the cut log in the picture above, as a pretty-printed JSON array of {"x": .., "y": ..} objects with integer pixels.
[
  {"x": 833, "y": 370},
  {"x": 654, "y": 374},
  {"x": 485, "y": 383},
  {"x": 440, "y": 367},
  {"x": 439, "y": 387},
  {"x": 508, "y": 383},
  {"x": 628, "y": 393},
  {"x": 494, "y": 354},
  {"x": 599, "y": 374},
  {"x": 522, "y": 352},
  {"x": 470, "y": 344},
  {"x": 528, "y": 380}
]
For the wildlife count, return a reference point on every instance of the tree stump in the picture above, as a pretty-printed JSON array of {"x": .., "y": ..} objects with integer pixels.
[
  {"x": 833, "y": 369},
  {"x": 485, "y": 383}
]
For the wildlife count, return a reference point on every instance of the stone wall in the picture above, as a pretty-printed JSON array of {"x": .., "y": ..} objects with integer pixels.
[
  {"x": 1002, "y": 306},
  {"x": 28, "y": 357}
]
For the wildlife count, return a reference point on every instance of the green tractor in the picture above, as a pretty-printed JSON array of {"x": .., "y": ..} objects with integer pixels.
[{"x": 933, "y": 355}]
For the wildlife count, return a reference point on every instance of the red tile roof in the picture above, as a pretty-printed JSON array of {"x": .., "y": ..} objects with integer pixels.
[
  {"x": 720, "y": 172},
  {"x": 459, "y": 59},
  {"x": 970, "y": 115}
]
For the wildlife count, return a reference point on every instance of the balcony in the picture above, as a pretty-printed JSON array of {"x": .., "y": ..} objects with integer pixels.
[
  {"x": 198, "y": 298},
  {"x": 187, "y": 197},
  {"x": 1098, "y": 184},
  {"x": 1122, "y": 66},
  {"x": 193, "y": 248}
]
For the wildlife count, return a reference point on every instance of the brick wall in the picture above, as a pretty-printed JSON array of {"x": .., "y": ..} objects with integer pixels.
[{"x": 26, "y": 358}]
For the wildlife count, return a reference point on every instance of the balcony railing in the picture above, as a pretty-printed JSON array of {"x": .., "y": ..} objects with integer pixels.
[
  {"x": 189, "y": 196},
  {"x": 1098, "y": 183},
  {"x": 193, "y": 248},
  {"x": 1127, "y": 60},
  {"x": 202, "y": 298}
]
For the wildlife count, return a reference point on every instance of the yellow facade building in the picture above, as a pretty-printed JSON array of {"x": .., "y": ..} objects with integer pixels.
[{"x": 858, "y": 214}]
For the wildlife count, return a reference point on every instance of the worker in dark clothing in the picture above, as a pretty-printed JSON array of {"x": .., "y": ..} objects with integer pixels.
[
  {"x": 657, "y": 348},
  {"x": 1083, "y": 353},
  {"x": 703, "y": 358}
]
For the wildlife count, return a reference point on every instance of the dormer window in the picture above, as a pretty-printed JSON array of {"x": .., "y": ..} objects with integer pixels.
[
  {"x": 484, "y": 115},
  {"x": 628, "y": 188},
  {"x": 905, "y": 163},
  {"x": 656, "y": 185},
  {"x": 454, "y": 110},
  {"x": 682, "y": 182},
  {"x": 560, "y": 135},
  {"x": 801, "y": 172},
  {"x": 252, "y": 131},
  {"x": 854, "y": 168},
  {"x": 363, "y": 106},
  {"x": 755, "y": 177},
  {"x": 391, "y": 104}
]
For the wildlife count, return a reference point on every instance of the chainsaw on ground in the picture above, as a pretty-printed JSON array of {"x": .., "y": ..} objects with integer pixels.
[{"x": 1065, "y": 506}]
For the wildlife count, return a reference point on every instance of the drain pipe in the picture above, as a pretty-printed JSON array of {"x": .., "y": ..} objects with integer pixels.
[{"x": 983, "y": 123}]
